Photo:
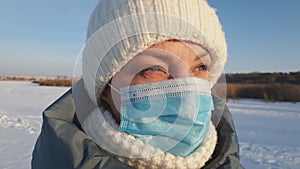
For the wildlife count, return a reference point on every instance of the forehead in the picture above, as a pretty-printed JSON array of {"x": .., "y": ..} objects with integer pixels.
[
  {"x": 173, "y": 49},
  {"x": 179, "y": 48}
]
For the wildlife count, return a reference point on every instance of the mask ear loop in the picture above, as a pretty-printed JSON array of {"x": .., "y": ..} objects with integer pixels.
[{"x": 116, "y": 90}]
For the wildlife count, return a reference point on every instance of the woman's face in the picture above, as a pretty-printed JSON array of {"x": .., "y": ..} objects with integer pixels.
[{"x": 163, "y": 61}]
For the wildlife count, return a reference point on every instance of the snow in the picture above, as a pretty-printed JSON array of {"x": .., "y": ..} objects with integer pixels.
[
  {"x": 21, "y": 104},
  {"x": 269, "y": 133}
]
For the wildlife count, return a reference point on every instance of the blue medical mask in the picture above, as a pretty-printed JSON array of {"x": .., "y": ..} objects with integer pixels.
[{"x": 172, "y": 115}]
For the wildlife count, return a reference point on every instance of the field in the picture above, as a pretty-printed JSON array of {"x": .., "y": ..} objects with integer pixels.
[{"x": 269, "y": 132}]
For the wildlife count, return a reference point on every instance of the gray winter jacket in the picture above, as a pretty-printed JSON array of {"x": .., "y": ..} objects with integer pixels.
[{"x": 62, "y": 144}]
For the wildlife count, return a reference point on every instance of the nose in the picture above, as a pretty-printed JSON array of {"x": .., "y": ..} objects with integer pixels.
[{"x": 180, "y": 71}]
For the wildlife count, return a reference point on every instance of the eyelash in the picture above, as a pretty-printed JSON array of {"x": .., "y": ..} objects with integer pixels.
[
  {"x": 203, "y": 68},
  {"x": 153, "y": 68}
]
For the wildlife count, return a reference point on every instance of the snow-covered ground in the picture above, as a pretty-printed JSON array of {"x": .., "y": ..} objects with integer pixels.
[
  {"x": 21, "y": 104},
  {"x": 269, "y": 133}
]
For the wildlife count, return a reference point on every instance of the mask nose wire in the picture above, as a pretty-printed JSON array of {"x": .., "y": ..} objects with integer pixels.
[{"x": 115, "y": 89}]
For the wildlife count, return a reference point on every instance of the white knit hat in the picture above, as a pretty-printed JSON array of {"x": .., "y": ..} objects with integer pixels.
[{"x": 120, "y": 29}]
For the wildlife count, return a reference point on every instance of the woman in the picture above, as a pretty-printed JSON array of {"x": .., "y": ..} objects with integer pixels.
[{"x": 145, "y": 98}]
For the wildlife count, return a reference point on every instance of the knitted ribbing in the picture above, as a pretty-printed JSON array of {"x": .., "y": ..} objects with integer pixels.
[{"x": 119, "y": 30}]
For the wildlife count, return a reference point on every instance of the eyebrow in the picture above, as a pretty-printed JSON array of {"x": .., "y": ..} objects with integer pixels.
[
  {"x": 201, "y": 56},
  {"x": 164, "y": 56},
  {"x": 158, "y": 54}
]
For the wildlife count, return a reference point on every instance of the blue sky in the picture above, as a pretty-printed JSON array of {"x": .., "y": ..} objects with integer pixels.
[{"x": 45, "y": 37}]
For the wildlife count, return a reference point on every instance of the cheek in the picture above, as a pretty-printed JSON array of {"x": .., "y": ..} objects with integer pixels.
[
  {"x": 203, "y": 75},
  {"x": 122, "y": 79},
  {"x": 143, "y": 81},
  {"x": 114, "y": 103},
  {"x": 149, "y": 77}
]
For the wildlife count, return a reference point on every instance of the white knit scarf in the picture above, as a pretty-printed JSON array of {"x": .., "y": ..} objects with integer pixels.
[{"x": 103, "y": 129}]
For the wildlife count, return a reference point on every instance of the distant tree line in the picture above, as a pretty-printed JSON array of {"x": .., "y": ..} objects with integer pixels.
[
  {"x": 264, "y": 78},
  {"x": 42, "y": 81},
  {"x": 266, "y": 86},
  {"x": 54, "y": 82}
]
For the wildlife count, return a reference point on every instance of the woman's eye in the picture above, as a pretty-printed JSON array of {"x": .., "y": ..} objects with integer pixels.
[
  {"x": 202, "y": 68},
  {"x": 152, "y": 70}
]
